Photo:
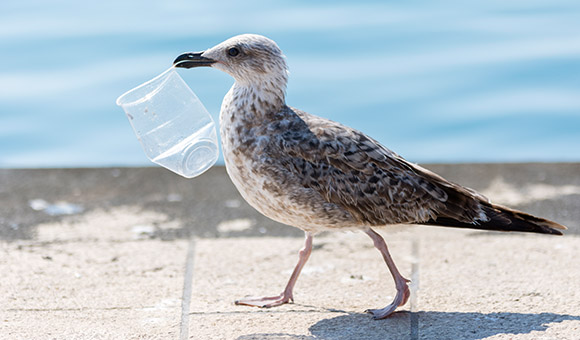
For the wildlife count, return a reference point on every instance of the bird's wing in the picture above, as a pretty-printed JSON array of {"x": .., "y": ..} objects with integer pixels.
[{"x": 374, "y": 184}]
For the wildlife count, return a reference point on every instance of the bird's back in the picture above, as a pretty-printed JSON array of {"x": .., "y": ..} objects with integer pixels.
[{"x": 317, "y": 174}]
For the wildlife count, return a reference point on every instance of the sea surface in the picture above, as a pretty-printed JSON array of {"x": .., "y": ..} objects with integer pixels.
[{"x": 435, "y": 81}]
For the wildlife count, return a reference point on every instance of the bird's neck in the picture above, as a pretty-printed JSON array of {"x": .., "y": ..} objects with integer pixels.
[{"x": 258, "y": 98}]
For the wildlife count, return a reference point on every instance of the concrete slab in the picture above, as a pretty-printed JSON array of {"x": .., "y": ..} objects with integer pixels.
[{"x": 92, "y": 277}]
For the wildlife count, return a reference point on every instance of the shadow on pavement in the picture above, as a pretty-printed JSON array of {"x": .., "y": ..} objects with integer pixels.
[
  {"x": 432, "y": 325},
  {"x": 27, "y": 196}
]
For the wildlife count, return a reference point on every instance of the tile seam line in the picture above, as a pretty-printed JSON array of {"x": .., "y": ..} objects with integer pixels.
[
  {"x": 414, "y": 319},
  {"x": 187, "y": 290}
]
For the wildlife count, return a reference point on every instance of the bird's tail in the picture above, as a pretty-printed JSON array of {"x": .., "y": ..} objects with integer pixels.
[{"x": 504, "y": 219}]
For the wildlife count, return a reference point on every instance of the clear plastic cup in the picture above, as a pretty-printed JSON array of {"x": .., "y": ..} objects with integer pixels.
[{"x": 173, "y": 126}]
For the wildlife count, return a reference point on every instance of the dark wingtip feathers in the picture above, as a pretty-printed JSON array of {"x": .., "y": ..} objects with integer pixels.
[{"x": 505, "y": 219}]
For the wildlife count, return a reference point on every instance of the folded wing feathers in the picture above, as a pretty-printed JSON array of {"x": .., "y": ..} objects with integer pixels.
[{"x": 379, "y": 187}]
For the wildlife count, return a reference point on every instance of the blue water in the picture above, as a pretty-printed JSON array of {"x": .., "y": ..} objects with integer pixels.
[{"x": 443, "y": 81}]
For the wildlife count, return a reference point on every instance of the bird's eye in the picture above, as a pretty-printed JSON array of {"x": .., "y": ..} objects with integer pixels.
[{"x": 232, "y": 52}]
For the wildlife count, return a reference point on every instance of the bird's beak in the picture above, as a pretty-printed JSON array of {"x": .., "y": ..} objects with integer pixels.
[{"x": 189, "y": 60}]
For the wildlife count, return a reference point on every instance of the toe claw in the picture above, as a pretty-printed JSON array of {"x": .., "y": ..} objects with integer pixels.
[
  {"x": 265, "y": 302},
  {"x": 381, "y": 313}
]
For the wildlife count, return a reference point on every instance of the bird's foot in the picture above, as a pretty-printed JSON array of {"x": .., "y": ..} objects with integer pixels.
[
  {"x": 403, "y": 294},
  {"x": 267, "y": 301}
]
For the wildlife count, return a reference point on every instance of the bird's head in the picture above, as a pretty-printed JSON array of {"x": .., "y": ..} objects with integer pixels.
[{"x": 249, "y": 58}]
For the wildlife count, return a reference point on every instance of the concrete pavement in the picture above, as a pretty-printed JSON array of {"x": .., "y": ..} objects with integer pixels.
[{"x": 144, "y": 254}]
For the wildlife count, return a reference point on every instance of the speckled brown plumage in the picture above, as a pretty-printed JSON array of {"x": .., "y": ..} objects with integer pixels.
[{"x": 316, "y": 174}]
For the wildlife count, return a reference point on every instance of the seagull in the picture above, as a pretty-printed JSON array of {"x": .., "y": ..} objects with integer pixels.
[{"x": 318, "y": 175}]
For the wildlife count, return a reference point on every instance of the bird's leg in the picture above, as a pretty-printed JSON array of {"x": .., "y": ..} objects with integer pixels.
[
  {"x": 286, "y": 295},
  {"x": 403, "y": 292}
]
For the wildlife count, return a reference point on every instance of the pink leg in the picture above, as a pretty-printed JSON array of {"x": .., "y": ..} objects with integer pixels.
[
  {"x": 403, "y": 292},
  {"x": 286, "y": 295}
]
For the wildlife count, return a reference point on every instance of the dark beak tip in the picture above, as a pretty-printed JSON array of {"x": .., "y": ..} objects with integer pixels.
[{"x": 180, "y": 63}]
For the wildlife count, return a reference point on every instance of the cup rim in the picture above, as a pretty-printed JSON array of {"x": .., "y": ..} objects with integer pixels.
[{"x": 122, "y": 99}]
